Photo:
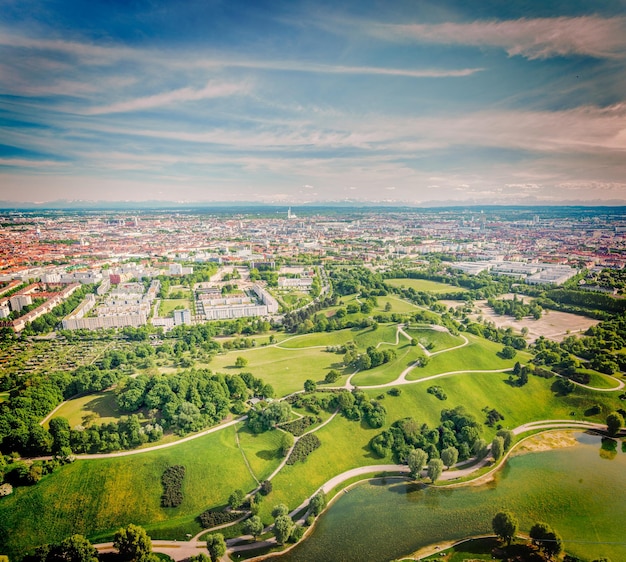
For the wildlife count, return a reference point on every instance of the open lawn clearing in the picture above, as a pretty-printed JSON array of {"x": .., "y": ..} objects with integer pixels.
[
  {"x": 534, "y": 401},
  {"x": 406, "y": 355},
  {"x": 553, "y": 324},
  {"x": 168, "y": 305},
  {"x": 434, "y": 340},
  {"x": 344, "y": 446},
  {"x": 101, "y": 404},
  {"x": 261, "y": 449},
  {"x": 599, "y": 380},
  {"x": 479, "y": 354},
  {"x": 96, "y": 497},
  {"x": 398, "y": 306},
  {"x": 318, "y": 339},
  {"x": 285, "y": 369},
  {"x": 4, "y": 396},
  {"x": 424, "y": 285}
]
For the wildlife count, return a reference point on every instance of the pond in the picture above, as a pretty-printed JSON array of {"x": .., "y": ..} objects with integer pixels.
[{"x": 579, "y": 490}]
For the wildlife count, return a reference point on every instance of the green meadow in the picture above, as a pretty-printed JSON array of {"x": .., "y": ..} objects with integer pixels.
[
  {"x": 102, "y": 405},
  {"x": 424, "y": 285},
  {"x": 479, "y": 354},
  {"x": 95, "y": 497}
]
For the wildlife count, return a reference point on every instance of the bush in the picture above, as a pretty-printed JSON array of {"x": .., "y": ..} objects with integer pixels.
[
  {"x": 394, "y": 391},
  {"x": 305, "y": 445},
  {"x": 299, "y": 426},
  {"x": 213, "y": 518},
  {"x": 437, "y": 391},
  {"x": 172, "y": 481}
]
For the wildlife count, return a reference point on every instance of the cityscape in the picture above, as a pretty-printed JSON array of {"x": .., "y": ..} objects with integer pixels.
[
  {"x": 312, "y": 281},
  {"x": 271, "y": 337}
]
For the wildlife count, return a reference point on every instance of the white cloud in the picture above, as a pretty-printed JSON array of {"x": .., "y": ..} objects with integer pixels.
[
  {"x": 537, "y": 38},
  {"x": 212, "y": 89}
]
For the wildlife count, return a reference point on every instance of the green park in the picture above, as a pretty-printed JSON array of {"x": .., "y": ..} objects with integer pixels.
[{"x": 296, "y": 411}]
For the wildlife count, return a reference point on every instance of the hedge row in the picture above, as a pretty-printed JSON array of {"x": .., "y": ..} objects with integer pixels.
[
  {"x": 299, "y": 426},
  {"x": 303, "y": 447},
  {"x": 213, "y": 518},
  {"x": 172, "y": 481}
]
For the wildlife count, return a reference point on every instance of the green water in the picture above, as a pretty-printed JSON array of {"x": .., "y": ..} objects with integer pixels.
[{"x": 579, "y": 490}]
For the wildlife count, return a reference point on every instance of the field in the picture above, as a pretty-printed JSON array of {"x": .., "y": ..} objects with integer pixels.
[
  {"x": 96, "y": 497},
  {"x": 101, "y": 404},
  {"x": 168, "y": 305},
  {"x": 424, "y": 285}
]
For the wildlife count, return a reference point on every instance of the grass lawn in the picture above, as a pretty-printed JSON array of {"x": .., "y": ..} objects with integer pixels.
[
  {"x": 262, "y": 450},
  {"x": 424, "y": 285},
  {"x": 344, "y": 446},
  {"x": 397, "y": 305},
  {"x": 285, "y": 369},
  {"x": 168, "y": 305},
  {"x": 406, "y": 354},
  {"x": 479, "y": 354},
  {"x": 598, "y": 380},
  {"x": 438, "y": 340},
  {"x": 96, "y": 497},
  {"x": 102, "y": 404},
  {"x": 4, "y": 396}
]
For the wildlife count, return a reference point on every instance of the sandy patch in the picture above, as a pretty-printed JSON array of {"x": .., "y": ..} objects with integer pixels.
[
  {"x": 546, "y": 442},
  {"x": 553, "y": 324}
]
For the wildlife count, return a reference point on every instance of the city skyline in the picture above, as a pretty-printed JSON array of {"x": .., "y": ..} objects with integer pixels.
[{"x": 297, "y": 102}]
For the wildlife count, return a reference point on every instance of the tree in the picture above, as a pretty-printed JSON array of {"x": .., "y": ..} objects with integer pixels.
[
  {"x": 133, "y": 543},
  {"x": 497, "y": 448},
  {"x": 449, "y": 456},
  {"x": 216, "y": 545},
  {"x": 435, "y": 468},
  {"x": 614, "y": 421},
  {"x": 240, "y": 362},
  {"x": 283, "y": 525},
  {"x": 77, "y": 549},
  {"x": 546, "y": 539},
  {"x": 200, "y": 558},
  {"x": 417, "y": 459},
  {"x": 236, "y": 499},
  {"x": 266, "y": 487},
  {"x": 59, "y": 428},
  {"x": 253, "y": 526},
  {"x": 504, "y": 525},
  {"x": 508, "y": 352},
  {"x": 286, "y": 442},
  {"x": 480, "y": 448},
  {"x": 332, "y": 376},
  {"x": 507, "y": 437},
  {"x": 309, "y": 385},
  {"x": 279, "y": 509},
  {"x": 318, "y": 503}
]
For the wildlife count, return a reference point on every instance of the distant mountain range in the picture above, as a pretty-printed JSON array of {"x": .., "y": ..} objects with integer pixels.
[{"x": 243, "y": 206}]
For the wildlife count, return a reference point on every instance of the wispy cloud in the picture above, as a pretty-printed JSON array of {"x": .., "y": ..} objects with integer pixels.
[
  {"x": 213, "y": 89},
  {"x": 538, "y": 38}
]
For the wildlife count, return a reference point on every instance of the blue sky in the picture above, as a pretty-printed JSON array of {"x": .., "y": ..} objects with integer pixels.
[{"x": 290, "y": 102}]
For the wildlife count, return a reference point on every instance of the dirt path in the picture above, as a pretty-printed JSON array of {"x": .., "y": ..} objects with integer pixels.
[{"x": 245, "y": 459}]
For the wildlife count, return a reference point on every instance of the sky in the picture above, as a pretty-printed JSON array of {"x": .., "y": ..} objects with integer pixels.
[{"x": 296, "y": 101}]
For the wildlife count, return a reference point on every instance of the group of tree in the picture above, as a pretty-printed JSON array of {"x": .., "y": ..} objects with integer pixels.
[
  {"x": 543, "y": 537},
  {"x": 132, "y": 543},
  {"x": 370, "y": 359},
  {"x": 300, "y": 320},
  {"x": 458, "y": 437},
  {"x": 515, "y": 307}
]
